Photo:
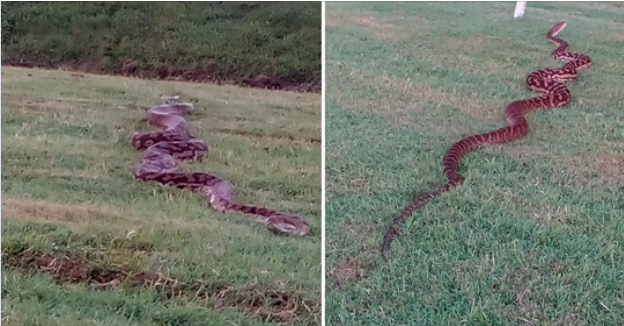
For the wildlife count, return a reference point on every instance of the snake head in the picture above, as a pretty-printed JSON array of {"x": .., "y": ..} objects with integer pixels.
[
  {"x": 289, "y": 225},
  {"x": 168, "y": 99},
  {"x": 557, "y": 28}
]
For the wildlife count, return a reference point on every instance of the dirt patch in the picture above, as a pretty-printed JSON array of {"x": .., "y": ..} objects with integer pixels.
[
  {"x": 264, "y": 304},
  {"x": 352, "y": 269},
  {"x": 38, "y": 210},
  {"x": 274, "y": 82},
  {"x": 201, "y": 75}
]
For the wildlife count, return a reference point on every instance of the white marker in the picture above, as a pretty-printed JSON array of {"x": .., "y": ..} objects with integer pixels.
[{"x": 520, "y": 6}]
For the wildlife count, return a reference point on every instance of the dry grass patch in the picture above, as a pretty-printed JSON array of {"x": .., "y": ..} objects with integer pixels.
[
  {"x": 614, "y": 6},
  {"x": 262, "y": 135},
  {"x": 399, "y": 100},
  {"x": 354, "y": 265},
  {"x": 8, "y": 317},
  {"x": 43, "y": 152},
  {"x": 343, "y": 183},
  {"x": 381, "y": 30},
  {"x": 490, "y": 68},
  {"x": 366, "y": 230},
  {"x": 54, "y": 173},
  {"x": 598, "y": 167},
  {"x": 518, "y": 150},
  {"x": 41, "y": 210},
  {"x": 332, "y": 20},
  {"x": 602, "y": 167},
  {"x": 527, "y": 208},
  {"x": 410, "y": 97},
  {"x": 615, "y": 37},
  {"x": 476, "y": 45},
  {"x": 352, "y": 269},
  {"x": 471, "y": 105},
  {"x": 30, "y": 105}
]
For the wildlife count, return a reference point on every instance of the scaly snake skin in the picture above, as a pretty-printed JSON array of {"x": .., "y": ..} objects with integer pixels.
[
  {"x": 550, "y": 83},
  {"x": 163, "y": 150}
]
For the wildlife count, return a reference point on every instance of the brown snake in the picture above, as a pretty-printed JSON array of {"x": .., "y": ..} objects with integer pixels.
[
  {"x": 163, "y": 150},
  {"x": 549, "y": 83}
]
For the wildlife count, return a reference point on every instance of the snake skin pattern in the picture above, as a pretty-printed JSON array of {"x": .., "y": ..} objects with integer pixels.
[
  {"x": 550, "y": 83},
  {"x": 164, "y": 149}
]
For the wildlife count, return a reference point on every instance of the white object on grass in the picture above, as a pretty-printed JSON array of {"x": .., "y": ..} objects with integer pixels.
[{"x": 520, "y": 6}]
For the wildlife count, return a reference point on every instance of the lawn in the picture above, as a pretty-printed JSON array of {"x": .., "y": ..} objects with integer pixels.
[
  {"x": 535, "y": 236},
  {"x": 73, "y": 217}
]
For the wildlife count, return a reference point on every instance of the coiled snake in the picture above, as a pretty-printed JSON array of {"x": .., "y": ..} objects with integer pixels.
[
  {"x": 550, "y": 83},
  {"x": 163, "y": 150}
]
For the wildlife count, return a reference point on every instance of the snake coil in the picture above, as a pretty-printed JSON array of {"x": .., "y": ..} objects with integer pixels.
[{"x": 164, "y": 149}]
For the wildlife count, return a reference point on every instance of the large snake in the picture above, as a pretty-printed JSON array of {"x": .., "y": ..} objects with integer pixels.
[
  {"x": 163, "y": 150},
  {"x": 549, "y": 83}
]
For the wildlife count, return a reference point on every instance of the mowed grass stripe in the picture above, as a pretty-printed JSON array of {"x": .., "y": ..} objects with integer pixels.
[{"x": 534, "y": 235}]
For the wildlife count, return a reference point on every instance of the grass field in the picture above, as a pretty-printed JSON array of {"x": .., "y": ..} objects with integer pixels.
[
  {"x": 70, "y": 205},
  {"x": 535, "y": 236}
]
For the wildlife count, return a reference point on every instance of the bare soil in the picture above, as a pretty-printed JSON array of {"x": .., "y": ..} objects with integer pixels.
[{"x": 263, "y": 81}]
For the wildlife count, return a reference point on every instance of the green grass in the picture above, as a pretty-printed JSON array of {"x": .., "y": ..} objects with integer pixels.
[
  {"x": 67, "y": 190},
  {"x": 535, "y": 236},
  {"x": 223, "y": 41}
]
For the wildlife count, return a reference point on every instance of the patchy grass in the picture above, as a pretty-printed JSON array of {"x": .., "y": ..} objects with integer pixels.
[
  {"x": 67, "y": 192},
  {"x": 268, "y": 304},
  {"x": 535, "y": 236}
]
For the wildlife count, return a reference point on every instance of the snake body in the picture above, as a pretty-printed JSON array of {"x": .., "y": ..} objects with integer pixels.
[
  {"x": 549, "y": 83},
  {"x": 163, "y": 150}
]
